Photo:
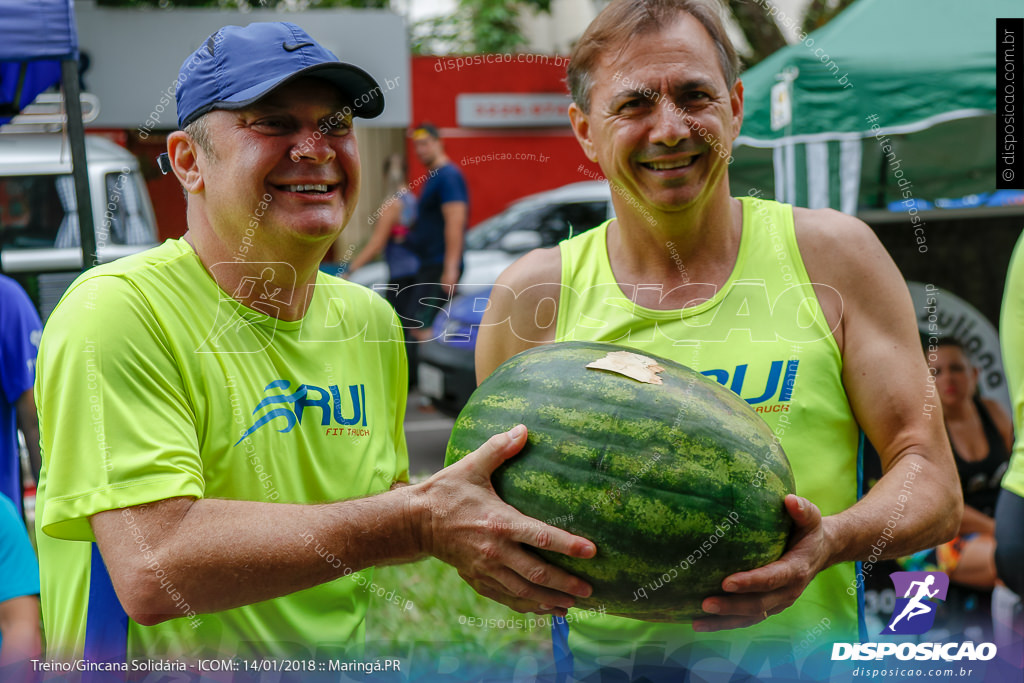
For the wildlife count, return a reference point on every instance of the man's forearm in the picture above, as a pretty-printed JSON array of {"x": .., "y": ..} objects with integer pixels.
[
  {"x": 454, "y": 233},
  {"x": 910, "y": 508},
  {"x": 28, "y": 423},
  {"x": 223, "y": 554},
  {"x": 19, "y": 629},
  {"x": 976, "y": 521},
  {"x": 453, "y": 246}
]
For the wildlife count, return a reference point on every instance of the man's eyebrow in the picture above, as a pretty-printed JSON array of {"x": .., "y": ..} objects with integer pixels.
[
  {"x": 695, "y": 84},
  {"x": 645, "y": 91}
]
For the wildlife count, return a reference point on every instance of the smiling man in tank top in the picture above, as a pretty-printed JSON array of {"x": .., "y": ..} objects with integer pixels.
[{"x": 801, "y": 312}]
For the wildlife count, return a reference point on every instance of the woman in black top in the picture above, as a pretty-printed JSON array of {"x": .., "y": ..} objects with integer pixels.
[{"x": 981, "y": 434}]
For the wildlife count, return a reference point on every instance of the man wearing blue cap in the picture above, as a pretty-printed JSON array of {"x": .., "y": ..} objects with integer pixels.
[{"x": 205, "y": 405}]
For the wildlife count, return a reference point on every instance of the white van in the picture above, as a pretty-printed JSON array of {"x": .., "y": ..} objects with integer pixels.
[{"x": 39, "y": 233}]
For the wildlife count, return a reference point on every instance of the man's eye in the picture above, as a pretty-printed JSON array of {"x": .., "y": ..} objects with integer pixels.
[
  {"x": 338, "y": 128},
  {"x": 271, "y": 124}
]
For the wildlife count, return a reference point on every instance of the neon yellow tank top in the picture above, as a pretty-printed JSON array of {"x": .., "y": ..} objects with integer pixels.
[
  {"x": 1011, "y": 333},
  {"x": 765, "y": 336}
]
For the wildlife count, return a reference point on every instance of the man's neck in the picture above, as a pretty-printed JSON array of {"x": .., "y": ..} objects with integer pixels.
[
  {"x": 271, "y": 281},
  {"x": 696, "y": 245},
  {"x": 440, "y": 161}
]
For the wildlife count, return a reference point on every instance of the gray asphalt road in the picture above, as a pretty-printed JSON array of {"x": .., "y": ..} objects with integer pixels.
[{"x": 426, "y": 433}]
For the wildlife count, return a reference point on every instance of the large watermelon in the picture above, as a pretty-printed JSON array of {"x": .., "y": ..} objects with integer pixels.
[{"x": 678, "y": 483}]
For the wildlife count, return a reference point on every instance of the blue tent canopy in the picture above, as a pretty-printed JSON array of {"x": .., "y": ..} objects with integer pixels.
[
  {"x": 885, "y": 88},
  {"x": 34, "y": 38}
]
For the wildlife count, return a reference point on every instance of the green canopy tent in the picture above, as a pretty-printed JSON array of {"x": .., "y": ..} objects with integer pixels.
[{"x": 889, "y": 99}]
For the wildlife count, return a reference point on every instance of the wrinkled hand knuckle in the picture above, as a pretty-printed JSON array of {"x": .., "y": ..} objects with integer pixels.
[
  {"x": 543, "y": 539},
  {"x": 490, "y": 551},
  {"x": 539, "y": 576},
  {"x": 522, "y": 591}
]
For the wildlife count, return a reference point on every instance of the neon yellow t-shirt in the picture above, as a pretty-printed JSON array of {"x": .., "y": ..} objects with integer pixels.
[
  {"x": 764, "y": 335},
  {"x": 1011, "y": 338},
  {"x": 154, "y": 383}
]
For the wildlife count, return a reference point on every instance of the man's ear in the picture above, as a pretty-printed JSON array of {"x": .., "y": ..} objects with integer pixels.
[
  {"x": 736, "y": 103},
  {"x": 581, "y": 128},
  {"x": 183, "y": 153}
]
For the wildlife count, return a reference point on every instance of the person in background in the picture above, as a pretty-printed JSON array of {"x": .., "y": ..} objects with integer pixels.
[
  {"x": 395, "y": 219},
  {"x": 20, "y": 329},
  {"x": 442, "y": 214},
  {"x": 437, "y": 240},
  {"x": 20, "y": 640},
  {"x": 981, "y": 434}
]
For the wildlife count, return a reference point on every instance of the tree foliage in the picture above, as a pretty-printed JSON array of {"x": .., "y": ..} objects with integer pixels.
[
  {"x": 762, "y": 31},
  {"x": 476, "y": 26}
]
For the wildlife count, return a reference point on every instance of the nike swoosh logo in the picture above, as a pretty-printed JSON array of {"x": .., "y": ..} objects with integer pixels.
[{"x": 294, "y": 46}]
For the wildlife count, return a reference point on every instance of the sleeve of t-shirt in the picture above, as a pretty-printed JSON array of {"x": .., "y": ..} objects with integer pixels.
[
  {"x": 395, "y": 364},
  {"x": 452, "y": 187},
  {"x": 19, "y": 571},
  {"x": 401, "y": 393},
  {"x": 20, "y": 329},
  {"x": 115, "y": 422}
]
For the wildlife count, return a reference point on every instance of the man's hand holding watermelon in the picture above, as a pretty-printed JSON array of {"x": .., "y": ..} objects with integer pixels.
[{"x": 468, "y": 526}]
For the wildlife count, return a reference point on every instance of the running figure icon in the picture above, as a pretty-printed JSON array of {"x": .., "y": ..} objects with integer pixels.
[
  {"x": 920, "y": 590},
  {"x": 915, "y": 607}
]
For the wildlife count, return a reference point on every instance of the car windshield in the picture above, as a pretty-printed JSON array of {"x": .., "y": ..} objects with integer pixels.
[
  {"x": 488, "y": 233},
  {"x": 30, "y": 211},
  {"x": 40, "y": 212}
]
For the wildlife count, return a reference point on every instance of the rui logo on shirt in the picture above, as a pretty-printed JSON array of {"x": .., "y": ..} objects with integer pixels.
[
  {"x": 336, "y": 406},
  {"x": 778, "y": 385}
]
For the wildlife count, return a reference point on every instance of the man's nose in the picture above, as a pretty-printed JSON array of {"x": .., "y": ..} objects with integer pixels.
[
  {"x": 671, "y": 124},
  {"x": 314, "y": 146}
]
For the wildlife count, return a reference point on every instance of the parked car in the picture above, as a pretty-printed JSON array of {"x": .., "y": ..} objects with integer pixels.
[
  {"x": 446, "y": 369},
  {"x": 539, "y": 220},
  {"x": 40, "y": 244}
]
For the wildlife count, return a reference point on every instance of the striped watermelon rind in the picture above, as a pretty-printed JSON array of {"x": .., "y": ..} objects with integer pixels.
[{"x": 679, "y": 484}]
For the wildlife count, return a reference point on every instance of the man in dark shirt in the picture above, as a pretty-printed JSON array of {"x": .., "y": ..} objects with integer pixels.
[{"x": 438, "y": 234}]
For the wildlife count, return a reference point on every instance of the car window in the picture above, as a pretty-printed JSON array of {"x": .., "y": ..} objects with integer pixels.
[
  {"x": 40, "y": 212},
  {"x": 489, "y": 233},
  {"x": 554, "y": 222},
  {"x": 565, "y": 220},
  {"x": 31, "y": 211},
  {"x": 123, "y": 219}
]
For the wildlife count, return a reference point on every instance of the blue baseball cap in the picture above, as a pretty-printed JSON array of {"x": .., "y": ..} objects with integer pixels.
[{"x": 237, "y": 66}]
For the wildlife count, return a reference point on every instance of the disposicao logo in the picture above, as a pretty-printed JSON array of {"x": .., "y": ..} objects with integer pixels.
[{"x": 914, "y": 614}]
